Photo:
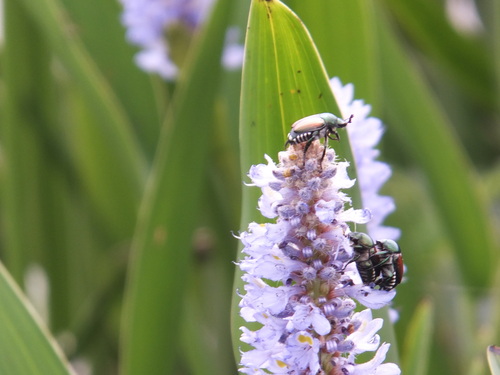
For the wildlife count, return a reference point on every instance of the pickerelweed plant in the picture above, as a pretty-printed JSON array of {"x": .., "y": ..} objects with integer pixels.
[{"x": 300, "y": 274}]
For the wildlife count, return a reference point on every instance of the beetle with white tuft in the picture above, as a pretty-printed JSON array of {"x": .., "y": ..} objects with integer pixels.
[{"x": 310, "y": 128}]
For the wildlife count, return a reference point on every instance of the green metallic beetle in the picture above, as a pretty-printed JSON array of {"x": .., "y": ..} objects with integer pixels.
[
  {"x": 310, "y": 128},
  {"x": 364, "y": 250},
  {"x": 379, "y": 263},
  {"x": 388, "y": 263}
]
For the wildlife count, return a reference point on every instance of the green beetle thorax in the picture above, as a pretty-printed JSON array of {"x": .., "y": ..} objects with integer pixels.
[
  {"x": 390, "y": 246},
  {"x": 361, "y": 239},
  {"x": 331, "y": 120}
]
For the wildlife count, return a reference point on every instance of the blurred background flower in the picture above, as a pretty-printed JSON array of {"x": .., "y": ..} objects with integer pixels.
[{"x": 163, "y": 29}]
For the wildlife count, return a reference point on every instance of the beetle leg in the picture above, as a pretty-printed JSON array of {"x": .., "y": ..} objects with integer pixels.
[
  {"x": 336, "y": 138},
  {"x": 325, "y": 143},
  {"x": 386, "y": 283},
  {"x": 308, "y": 144},
  {"x": 382, "y": 262}
]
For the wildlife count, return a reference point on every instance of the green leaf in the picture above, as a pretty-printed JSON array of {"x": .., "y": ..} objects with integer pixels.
[
  {"x": 347, "y": 42},
  {"x": 417, "y": 345},
  {"x": 163, "y": 240},
  {"x": 493, "y": 356},
  {"x": 283, "y": 81},
  {"x": 25, "y": 345},
  {"x": 117, "y": 148}
]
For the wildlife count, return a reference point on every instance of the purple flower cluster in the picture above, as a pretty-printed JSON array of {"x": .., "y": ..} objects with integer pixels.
[{"x": 299, "y": 277}]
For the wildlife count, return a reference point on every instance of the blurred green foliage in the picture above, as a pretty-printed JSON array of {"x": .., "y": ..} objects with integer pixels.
[{"x": 126, "y": 189}]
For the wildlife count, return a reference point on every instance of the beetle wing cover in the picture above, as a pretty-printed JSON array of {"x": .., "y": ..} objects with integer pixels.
[
  {"x": 399, "y": 268},
  {"x": 309, "y": 123}
]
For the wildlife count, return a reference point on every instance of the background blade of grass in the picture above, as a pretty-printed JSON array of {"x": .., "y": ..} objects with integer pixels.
[
  {"x": 119, "y": 151},
  {"x": 25, "y": 345},
  {"x": 163, "y": 241},
  {"x": 134, "y": 89},
  {"x": 33, "y": 208},
  {"x": 417, "y": 345},
  {"x": 449, "y": 47},
  {"x": 27, "y": 98}
]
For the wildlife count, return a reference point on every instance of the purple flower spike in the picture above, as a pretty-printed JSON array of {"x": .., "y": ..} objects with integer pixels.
[{"x": 300, "y": 276}]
